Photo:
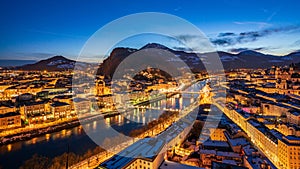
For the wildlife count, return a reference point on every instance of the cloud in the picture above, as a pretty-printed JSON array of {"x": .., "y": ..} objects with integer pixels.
[
  {"x": 296, "y": 43},
  {"x": 228, "y": 39},
  {"x": 238, "y": 50},
  {"x": 296, "y": 51},
  {"x": 271, "y": 16},
  {"x": 226, "y": 34},
  {"x": 195, "y": 43},
  {"x": 258, "y": 49},
  {"x": 186, "y": 49},
  {"x": 223, "y": 42},
  {"x": 260, "y": 24},
  {"x": 187, "y": 37},
  {"x": 262, "y": 48}
]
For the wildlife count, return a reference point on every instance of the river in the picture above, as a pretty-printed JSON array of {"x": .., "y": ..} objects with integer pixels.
[{"x": 54, "y": 144}]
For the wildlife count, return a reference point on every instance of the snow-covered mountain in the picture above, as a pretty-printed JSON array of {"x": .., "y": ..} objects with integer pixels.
[{"x": 55, "y": 63}]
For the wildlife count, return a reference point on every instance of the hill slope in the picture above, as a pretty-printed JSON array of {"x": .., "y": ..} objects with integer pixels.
[
  {"x": 245, "y": 59},
  {"x": 56, "y": 63}
]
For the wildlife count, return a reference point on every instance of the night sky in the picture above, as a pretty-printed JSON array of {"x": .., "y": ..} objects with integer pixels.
[{"x": 38, "y": 29}]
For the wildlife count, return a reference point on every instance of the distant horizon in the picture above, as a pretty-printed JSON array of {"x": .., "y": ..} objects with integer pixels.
[
  {"x": 14, "y": 62},
  {"x": 31, "y": 61},
  {"x": 71, "y": 58}
]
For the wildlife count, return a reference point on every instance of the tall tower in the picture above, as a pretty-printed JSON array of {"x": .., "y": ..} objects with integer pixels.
[
  {"x": 277, "y": 72},
  {"x": 100, "y": 87},
  {"x": 291, "y": 70}
]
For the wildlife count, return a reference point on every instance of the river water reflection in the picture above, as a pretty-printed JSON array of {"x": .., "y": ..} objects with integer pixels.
[{"x": 55, "y": 144}]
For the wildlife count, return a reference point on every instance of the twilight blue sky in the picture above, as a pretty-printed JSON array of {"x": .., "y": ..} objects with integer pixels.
[{"x": 36, "y": 30}]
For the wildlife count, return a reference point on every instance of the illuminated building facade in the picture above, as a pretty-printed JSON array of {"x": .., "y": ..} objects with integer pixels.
[
  {"x": 289, "y": 152},
  {"x": 60, "y": 110}
]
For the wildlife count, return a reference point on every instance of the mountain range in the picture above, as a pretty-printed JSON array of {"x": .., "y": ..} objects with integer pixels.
[{"x": 245, "y": 59}]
